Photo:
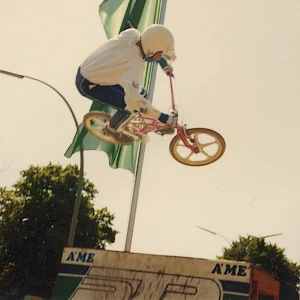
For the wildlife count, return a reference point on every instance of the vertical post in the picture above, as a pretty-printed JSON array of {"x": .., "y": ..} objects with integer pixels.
[
  {"x": 140, "y": 161},
  {"x": 77, "y": 203}
]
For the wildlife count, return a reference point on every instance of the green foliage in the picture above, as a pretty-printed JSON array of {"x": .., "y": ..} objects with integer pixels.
[
  {"x": 269, "y": 257},
  {"x": 35, "y": 219}
]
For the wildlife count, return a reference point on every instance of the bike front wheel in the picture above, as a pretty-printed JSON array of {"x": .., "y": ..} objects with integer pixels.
[{"x": 209, "y": 146}]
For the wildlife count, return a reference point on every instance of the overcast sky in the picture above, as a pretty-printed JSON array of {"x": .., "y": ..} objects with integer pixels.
[{"x": 237, "y": 72}]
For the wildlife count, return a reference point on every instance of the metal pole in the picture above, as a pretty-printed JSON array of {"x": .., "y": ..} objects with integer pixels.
[
  {"x": 80, "y": 179},
  {"x": 77, "y": 202},
  {"x": 138, "y": 174},
  {"x": 215, "y": 234},
  {"x": 252, "y": 239},
  {"x": 267, "y": 236}
]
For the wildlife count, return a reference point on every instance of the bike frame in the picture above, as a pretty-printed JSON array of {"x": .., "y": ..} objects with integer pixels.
[
  {"x": 181, "y": 130},
  {"x": 148, "y": 124}
]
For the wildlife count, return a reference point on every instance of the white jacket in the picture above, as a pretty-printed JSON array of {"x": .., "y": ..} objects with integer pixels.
[{"x": 118, "y": 61}]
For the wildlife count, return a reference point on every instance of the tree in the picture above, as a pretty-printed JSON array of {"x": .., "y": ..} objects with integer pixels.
[
  {"x": 269, "y": 257},
  {"x": 35, "y": 218}
]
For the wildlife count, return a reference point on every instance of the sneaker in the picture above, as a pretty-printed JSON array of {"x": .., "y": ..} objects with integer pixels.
[{"x": 119, "y": 137}]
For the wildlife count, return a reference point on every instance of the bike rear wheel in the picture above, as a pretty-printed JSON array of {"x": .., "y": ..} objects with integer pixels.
[
  {"x": 210, "y": 144},
  {"x": 95, "y": 122}
]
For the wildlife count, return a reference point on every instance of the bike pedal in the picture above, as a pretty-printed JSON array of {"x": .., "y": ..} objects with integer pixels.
[{"x": 159, "y": 133}]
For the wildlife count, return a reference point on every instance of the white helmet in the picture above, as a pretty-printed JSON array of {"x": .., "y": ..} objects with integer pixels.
[{"x": 157, "y": 38}]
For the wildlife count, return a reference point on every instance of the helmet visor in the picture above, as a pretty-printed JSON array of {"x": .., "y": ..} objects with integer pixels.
[{"x": 169, "y": 56}]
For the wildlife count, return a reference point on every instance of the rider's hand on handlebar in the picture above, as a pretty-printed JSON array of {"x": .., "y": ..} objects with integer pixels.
[
  {"x": 168, "y": 70},
  {"x": 172, "y": 119}
]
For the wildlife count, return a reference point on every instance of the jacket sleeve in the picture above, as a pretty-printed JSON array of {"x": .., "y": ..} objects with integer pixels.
[
  {"x": 132, "y": 88},
  {"x": 163, "y": 62}
]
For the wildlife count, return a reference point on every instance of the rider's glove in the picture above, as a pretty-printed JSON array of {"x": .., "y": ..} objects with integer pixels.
[
  {"x": 144, "y": 93},
  {"x": 168, "y": 70},
  {"x": 169, "y": 119},
  {"x": 172, "y": 119}
]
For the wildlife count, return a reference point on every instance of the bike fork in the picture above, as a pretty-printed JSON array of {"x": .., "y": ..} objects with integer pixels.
[{"x": 182, "y": 134}]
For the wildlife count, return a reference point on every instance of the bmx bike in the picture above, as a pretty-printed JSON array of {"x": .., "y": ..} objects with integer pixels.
[{"x": 192, "y": 147}]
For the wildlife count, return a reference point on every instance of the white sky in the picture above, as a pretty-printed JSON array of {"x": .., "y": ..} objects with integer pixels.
[{"x": 237, "y": 72}]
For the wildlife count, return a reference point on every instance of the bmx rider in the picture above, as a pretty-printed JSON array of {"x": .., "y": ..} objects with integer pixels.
[{"x": 112, "y": 75}]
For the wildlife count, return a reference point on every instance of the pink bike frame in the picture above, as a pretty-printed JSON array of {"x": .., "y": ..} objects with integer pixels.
[
  {"x": 153, "y": 123},
  {"x": 180, "y": 129}
]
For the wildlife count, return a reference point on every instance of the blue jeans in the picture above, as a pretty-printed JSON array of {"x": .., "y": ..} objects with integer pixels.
[{"x": 112, "y": 95}]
